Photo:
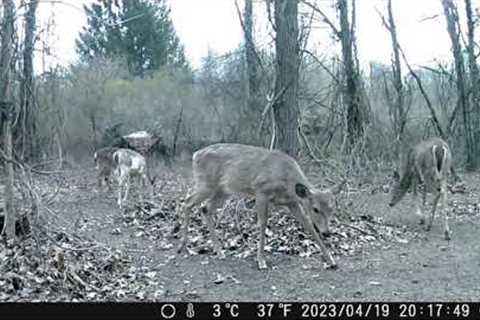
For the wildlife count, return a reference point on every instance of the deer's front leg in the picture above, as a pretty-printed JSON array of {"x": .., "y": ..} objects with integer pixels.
[
  {"x": 195, "y": 198},
  {"x": 99, "y": 183},
  {"x": 108, "y": 183},
  {"x": 184, "y": 214},
  {"x": 261, "y": 206},
  {"x": 300, "y": 214},
  {"x": 127, "y": 186},
  {"x": 215, "y": 202},
  {"x": 445, "y": 211},
  {"x": 419, "y": 172},
  {"x": 147, "y": 182},
  {"x": 418, "y": 210},
  {"x": 119, "y": 200},
  {"x": 434, "y": 208},
  {"x": 122, "y": 180}
]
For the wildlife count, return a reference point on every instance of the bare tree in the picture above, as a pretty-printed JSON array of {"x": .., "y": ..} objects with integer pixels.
[
  {"x": 250, "y": 55},
  {"x": 92, "y": 81},
  {"x": 474, "y": 80},
  {"x": 399, "y": 111},
  {"x": 287, "y": 52},
  {"x": 27, "y": 123},
  {"x": 251, "y": 101},
  {"x": 351, "y": 91},
  {"x": 7, "y": 33},
  {"x": 453, "y": 28}
]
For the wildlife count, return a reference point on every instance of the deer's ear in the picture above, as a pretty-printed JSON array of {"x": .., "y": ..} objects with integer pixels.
[
  {"x": 301, "y": 190},
  {"x": 396, "y": 175}
]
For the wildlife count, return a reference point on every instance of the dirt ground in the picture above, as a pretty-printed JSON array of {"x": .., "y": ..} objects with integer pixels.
[{"x": 420, "y": 267}]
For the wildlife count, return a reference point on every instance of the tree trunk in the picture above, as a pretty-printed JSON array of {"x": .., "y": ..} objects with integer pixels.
[
  {"x": 474, "y": 83},
  {"x": 287, "y": 51},
  {"x": 252, "y": 87},
  {"x": 400, "y": 117},
  {"x": 177, "y": 132},
  {"x": 451, "y": 16},
  {"x": 351, "y": 93},
  {"x": 27, "y": 113},
  {"x": 6, "y": 110},
  {"x": 93, "y": 124}
]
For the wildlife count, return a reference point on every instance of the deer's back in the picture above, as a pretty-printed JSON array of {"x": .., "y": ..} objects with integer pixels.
[
  {"x": 238, "y": 168},
  {"x": 129, "y": 158}
]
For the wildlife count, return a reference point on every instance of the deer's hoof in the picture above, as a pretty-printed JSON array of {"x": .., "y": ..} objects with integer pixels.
[
  {"x": 332, "y": 266},
  {"x": 447, "y": 235},
  {"x": 262, "y": 265}
]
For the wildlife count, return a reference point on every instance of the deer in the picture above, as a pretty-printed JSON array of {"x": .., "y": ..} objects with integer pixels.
[
  {"x": 429, "y": 163},
  {"x": 104, "y": 165},
  {"x": 129, "y": 164},
  {"x": 272, "y": 177}
]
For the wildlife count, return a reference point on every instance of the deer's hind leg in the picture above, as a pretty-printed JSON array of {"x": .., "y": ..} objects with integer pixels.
[
  {"x": 445, "y": 211},
  {"x": 434, "y": 208}
]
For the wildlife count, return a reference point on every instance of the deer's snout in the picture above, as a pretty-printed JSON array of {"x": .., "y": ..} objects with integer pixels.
[
  {"x": 326, "y": 234},
  {"x": 391, "y": 204}
]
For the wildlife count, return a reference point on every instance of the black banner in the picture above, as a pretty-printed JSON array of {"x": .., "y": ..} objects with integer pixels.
[{"x": 246, "y": 310}]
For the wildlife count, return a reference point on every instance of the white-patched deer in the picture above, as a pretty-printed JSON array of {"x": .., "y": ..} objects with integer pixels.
[
  {"x": 129, "y": 165},
  {"x": 429, "y": 163},
  {"x": 273, "y": 177},
  {"x": 104, "y": 165}
]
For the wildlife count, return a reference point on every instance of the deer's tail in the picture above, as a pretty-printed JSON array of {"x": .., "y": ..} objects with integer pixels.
[
  {"x": 116, "y": 158},
  {"x": 439, "y": 163}
]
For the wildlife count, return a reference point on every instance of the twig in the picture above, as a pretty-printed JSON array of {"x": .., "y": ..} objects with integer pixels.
[
  {"x": 356, "y": 228},
  {"x": 270, "y": 103},
  {"x": 74, "y": 277}
]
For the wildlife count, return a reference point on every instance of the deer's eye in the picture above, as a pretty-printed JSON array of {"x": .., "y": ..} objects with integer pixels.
[{"x": 316, "y": 210}]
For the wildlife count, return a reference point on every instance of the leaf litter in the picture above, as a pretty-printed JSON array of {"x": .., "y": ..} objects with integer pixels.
[{"x": 65, "y": 266}]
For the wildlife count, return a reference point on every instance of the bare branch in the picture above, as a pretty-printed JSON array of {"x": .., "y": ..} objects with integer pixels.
[
  {"x": 324, "y": 16},
  {"x": 269, "y": 105},
  {"x": 324, "y": 67},
  {"x": 433, "y": 17}
]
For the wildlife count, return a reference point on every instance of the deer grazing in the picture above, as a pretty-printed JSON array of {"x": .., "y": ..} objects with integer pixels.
[
  {"x": 429, "y": 163},
  {"x": 129, "y": 164},
  {"x": 104, "y": 165},
  {"x": 273, "y": 177}
]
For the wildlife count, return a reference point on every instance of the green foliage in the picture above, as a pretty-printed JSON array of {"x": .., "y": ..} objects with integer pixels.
[
  {"x": 82, "y": 106},
  {"x": 140, "y": 32}
]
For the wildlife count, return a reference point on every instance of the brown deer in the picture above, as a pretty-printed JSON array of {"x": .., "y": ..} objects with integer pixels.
[
  {"x": 104, "y": 165},
  {"x": 273, "y": 177},
  {"x": 429, "y": 163},
  {"x": 129, "y": 164}
]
